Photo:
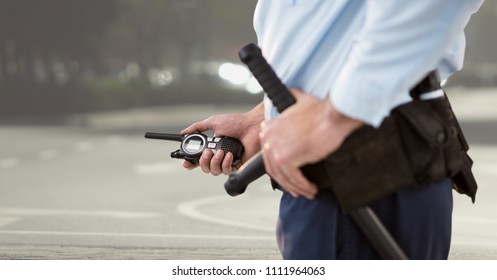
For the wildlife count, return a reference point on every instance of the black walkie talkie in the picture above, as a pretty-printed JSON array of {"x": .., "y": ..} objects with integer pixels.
[{"x": 192, "y": 145}]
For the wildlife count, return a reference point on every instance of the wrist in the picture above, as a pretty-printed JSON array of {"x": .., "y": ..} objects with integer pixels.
[
  {"x": 338, "y": 123},
  {"x": 256, "y": 115}
]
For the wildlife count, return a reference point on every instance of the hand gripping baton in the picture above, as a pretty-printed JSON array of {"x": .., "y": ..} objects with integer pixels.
[
  {"x": 278, "y": 93},
  {"x": 237, "y": 183}
]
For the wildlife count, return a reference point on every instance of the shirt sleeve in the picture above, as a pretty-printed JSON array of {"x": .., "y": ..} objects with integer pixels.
[{"x": 400, "y": 42}]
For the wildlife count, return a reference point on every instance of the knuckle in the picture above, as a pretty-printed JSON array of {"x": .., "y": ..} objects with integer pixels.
[{"x": 280, "y": 158}]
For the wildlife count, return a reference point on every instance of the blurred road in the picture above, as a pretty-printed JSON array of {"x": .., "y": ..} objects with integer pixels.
[{"x": 96, "y": 189}]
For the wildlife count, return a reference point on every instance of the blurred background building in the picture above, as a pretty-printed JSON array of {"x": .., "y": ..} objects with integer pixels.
[{"x": 60, "y": 57}]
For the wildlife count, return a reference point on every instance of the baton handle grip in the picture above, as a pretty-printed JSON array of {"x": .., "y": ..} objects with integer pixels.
[
  {"x": 238, "y": 182},
  {"x": 251, "y": 55}
]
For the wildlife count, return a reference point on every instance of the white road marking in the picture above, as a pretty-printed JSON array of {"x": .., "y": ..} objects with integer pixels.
[
  {"x": 7, "y": 220},
  {"x": 4, "y": 211},
  {"x": 190, "y": 209},
  {"x": 458, "y": 241},
  {"x": 9, "y": 163},
  {"x": 140, "y": 235}
]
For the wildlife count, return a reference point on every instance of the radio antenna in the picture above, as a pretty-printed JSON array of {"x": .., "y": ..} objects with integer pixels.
[{"x": 164, "y": 136}]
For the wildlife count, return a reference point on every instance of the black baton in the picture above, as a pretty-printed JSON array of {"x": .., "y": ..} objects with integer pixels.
[
  {"x": 281, "y": 98},
  {"x": 364, "y": 217}
]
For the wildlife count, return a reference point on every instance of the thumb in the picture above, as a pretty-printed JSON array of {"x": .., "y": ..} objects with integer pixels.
[{"x": 200, "y": 126}]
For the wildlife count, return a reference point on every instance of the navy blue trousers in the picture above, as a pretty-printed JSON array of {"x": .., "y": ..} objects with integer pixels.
[{"x": 419, "y": 218}]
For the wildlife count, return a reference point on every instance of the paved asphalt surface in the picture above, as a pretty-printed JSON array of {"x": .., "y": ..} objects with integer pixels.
[{"x": 94, "y": 188}]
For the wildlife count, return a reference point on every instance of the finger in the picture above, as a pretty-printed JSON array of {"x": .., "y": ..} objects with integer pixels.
[
  {"x": 300, "y": 184},
  {"x": 198, "y": 127},
  {"x": 282, "y": 180},
  {"x": 188, "y": 165},
  {"x": 192, "y": 129},
  {"x": 205, "y": 160},
  {"x": 290, "y": 178},
  {"x": 273, "y": 170},
  {"x": 227, "y": 164},
  {"x": 297, "y": 185},
  {"x": 216, "y": 162}
]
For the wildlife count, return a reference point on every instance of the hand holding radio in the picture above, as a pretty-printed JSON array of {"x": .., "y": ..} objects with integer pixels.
[
  {"x": 245, "y": 127},
  {"x": 193, "y": 145}
]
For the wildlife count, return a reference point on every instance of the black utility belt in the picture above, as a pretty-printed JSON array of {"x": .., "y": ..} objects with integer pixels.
[{"x": 419, "y": 142}]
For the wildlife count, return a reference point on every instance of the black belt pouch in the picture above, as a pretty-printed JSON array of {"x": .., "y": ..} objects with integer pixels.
[{"x": 420, "y": 142}]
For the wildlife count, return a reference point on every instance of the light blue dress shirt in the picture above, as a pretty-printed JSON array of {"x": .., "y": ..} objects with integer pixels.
[{"x": 364, "y": 55}]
